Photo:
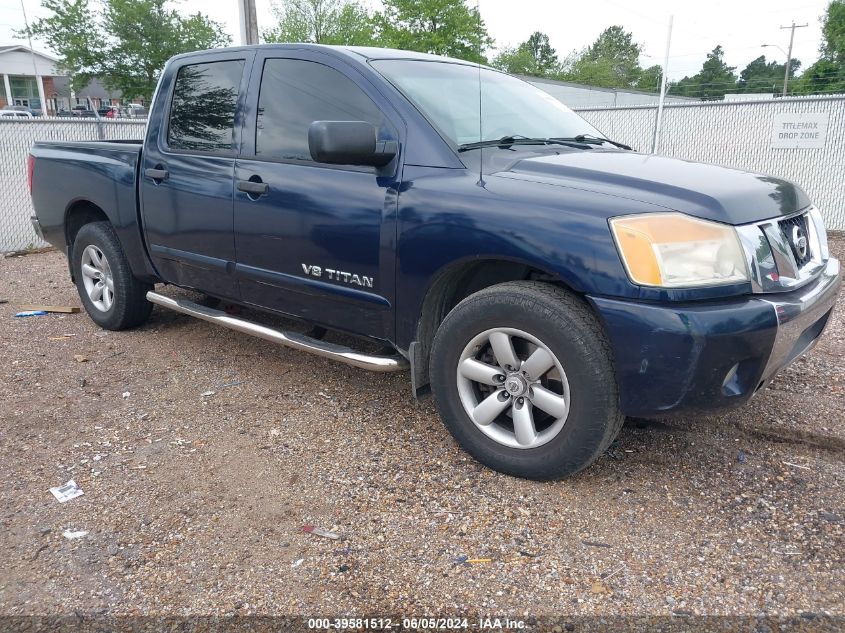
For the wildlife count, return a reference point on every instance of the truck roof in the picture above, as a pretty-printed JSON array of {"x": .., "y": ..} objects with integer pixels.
[{"x": 358, "y": 52}]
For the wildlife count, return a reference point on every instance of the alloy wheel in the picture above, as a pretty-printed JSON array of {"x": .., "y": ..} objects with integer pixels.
[
  {"x": 513, "y": 388},
  {"x": 97, "y": 278}
]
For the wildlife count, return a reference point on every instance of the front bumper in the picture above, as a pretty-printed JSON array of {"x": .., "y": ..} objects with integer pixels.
[{"x": 706, "y": 356}]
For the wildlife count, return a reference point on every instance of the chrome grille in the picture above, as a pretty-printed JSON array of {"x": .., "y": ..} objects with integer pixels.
[
  {"x": 778, "y": 259},
  {"x": 798, "y": 237}
]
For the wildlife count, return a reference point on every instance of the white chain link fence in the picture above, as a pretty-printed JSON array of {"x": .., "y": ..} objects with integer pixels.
[
  {"x": 739, "y": 134},
  {"x": 736, "y": 134},
  {"x": 16, "y": 139}
]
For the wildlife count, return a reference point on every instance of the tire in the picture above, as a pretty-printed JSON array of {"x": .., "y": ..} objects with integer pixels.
[
  {"x": 125, "y": 305},
  {"x": 580, "y": 387}
]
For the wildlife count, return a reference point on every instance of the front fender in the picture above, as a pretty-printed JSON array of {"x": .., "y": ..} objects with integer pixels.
[{"x": 446, "y": 217}]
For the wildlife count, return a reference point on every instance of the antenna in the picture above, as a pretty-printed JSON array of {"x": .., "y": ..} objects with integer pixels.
[{"x": 480, "y": 182}]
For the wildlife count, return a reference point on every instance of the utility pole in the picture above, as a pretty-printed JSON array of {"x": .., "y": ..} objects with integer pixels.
[
  {"x": 789, "y": 54},
  {"x": 249, "y": 22},
  {"x": 39, "y": 84},
  {"x": 664, "y": 80}
]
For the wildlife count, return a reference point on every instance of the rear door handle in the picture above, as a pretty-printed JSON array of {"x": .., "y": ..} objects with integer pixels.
[
  {"x": 156, "y": 173},
  {"x": 253, "y": 188}
]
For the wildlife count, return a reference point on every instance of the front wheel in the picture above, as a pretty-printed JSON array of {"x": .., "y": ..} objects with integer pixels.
[
  {"x": 522, "y": 375},
  {"x": 112, "y": 296}
]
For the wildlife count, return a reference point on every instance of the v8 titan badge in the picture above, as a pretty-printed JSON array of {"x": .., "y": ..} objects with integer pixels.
[{"x": 338, "y": 275}]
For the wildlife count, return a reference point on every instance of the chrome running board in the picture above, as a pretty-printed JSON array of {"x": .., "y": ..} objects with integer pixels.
[{"x": 288, "y": 339}]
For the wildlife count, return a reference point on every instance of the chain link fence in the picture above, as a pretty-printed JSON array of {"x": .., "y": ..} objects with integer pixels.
[
  {"x": 16, "y": 139},
  {"x": 735, "y": 134},
  {"x": 740, "y": 134}
]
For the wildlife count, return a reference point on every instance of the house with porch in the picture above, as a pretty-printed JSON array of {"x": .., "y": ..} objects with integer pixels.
[
  {"x": 27, "y": 78},
  {"x": 30, "y": 79}
]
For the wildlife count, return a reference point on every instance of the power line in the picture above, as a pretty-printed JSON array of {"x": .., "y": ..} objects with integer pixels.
[{"x": 731, "y": 49}]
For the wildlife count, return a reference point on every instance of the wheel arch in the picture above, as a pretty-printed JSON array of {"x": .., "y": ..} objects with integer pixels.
[
  {"x": 82, "y": 211},
  {"x": 451, "y": 285},
  {"x": 79, "y": 213}
]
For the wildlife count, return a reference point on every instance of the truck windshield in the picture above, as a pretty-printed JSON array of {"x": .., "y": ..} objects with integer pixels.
[{"x": 447, "y": 94}]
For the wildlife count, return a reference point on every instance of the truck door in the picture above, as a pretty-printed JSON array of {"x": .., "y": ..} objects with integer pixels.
[
  {"x": 313, "y": 240},
  {"x": 186, "y": 173}
]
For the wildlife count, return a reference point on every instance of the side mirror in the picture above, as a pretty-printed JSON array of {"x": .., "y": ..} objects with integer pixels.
[{"x": 348, "y": 143}]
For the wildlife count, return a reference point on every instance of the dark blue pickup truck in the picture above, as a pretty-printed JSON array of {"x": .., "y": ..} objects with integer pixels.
[{"x": 543, "y": 280}]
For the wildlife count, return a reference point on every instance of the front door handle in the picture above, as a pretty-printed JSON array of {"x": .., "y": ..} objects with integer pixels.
[
  {"x": 156, "y": 173},
  {"x": 252, "y": 187}
]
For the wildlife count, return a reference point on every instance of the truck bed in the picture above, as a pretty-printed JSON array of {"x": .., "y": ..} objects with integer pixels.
[{"x": 101, "y": 173}]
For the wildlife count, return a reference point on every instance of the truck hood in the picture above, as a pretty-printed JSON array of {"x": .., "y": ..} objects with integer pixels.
[{"x": 705, "y": 191}]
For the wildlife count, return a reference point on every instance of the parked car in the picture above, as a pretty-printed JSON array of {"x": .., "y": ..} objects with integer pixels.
[
  {"x": 78, "y": 111},
  {"x": 21, "y": 108},
  {"x": 133, "y": 111},
  {"x": 15, "y": 114},
  {"x": 542, "y": 280}
]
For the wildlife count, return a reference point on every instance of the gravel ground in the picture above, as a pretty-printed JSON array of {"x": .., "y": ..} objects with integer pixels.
[{"x": 203, "y": 452}]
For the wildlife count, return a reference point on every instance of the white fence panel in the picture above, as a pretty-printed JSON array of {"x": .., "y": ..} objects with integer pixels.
[
  {"x": 739, "y": 134},
  {"x": 16, "y": 139}
]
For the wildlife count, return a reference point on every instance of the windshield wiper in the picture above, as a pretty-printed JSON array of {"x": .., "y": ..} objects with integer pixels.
[
  {"x": 594, "y": 140},
  {"x": 506, "y": 141}
]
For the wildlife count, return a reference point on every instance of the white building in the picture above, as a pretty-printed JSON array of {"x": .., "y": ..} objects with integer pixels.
[
  {"x": 582, "y": 96},
  {"x": 27, "y": 77},
  {"x": 30, "y": 79},
  {"x": 749, "y": 96}
]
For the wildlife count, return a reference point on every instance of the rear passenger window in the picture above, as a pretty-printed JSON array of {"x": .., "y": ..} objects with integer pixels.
[
  {"x": 296, "y": 93},
  {"x": 202, "y": 114}
]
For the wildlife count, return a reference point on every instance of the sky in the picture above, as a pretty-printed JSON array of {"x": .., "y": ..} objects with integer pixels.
[{"x": 740, "y": 26}]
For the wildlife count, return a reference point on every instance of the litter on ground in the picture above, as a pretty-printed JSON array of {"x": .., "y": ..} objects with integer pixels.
[
  {"x": 42, "y": 308},
  {"x": 74, "y": 534},
  {"x": 67, "y": 492},
  {"x": 311, "y": 529}
]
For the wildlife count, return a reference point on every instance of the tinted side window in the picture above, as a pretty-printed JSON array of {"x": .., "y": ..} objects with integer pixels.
[
  {"x": 202, "y": 114},
  {"x": 296, "y": 93}
]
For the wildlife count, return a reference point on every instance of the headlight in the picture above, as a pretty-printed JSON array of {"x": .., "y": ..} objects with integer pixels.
[{"x": 672, "y": 250}]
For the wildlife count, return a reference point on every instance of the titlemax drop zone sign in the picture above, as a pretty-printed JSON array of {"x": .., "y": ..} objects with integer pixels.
[{"x": 799, "y": 130}]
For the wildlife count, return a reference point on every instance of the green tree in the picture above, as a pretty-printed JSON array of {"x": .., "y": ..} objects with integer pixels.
[
  {"x": 828, "y": 73},
  {"x": 515, "y": 60},
  {"x": 442, "y": 27},
  {"x": 612, "y": 61},
  {"x": 762, "y": 76},
  {"x": 125, "y": 43},
  {"x": 544, "y": 56},
  {"x": 355, "y": 27},
  {"x": 713, "y": 80},
  {"x": 71, "y": 31},
  {"x": 649, "y": 79},
  {"x": 833, "y": 32},
  {"x": 322, "y": 22},
  {"x": 824, "y": 76},
  {"x": 535, "y": 56}
]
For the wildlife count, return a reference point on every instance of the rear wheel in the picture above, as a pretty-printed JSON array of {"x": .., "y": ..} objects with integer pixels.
[
  {"x": 523, "y": 378},
  {"x": 112, "y": 296}
]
